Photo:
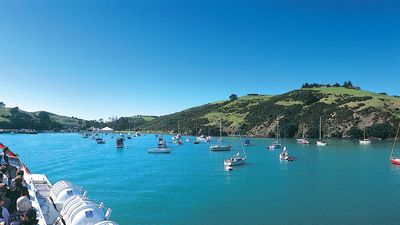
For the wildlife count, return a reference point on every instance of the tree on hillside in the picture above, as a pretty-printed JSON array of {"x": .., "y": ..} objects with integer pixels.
[
  {"x": 233, "y": 97},
  {"x": 348, "y": 84},
  {"x": 2, "y": 104}
]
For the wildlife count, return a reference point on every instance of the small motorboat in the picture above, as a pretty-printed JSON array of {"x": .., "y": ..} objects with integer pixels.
[
  {"x": 100, "y": 141},
  {"x": 161, "y": 147},
  {"x": 321, "y": 143}
]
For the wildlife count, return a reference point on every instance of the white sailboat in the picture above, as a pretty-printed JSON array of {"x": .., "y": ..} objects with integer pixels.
[
  {"x": 320, "y": 142},
  {"x": 395, "y": 158},
  {"x": 236, "y": 159},
  {"x": 177, "y": 137},
  {"x": 275, "y": 144},
  {"x": 220, "y": 146},
  {"x": 365, "y": 141},
  {"x": 129, "y": 133},
  {"x": 303, "y": 140},
  {"x": 284, "y": 155}
]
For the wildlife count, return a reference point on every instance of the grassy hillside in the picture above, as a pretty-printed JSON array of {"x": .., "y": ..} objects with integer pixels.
[
  {"x": 345, "y": 113},
  {"x": 14, "y": 118}
]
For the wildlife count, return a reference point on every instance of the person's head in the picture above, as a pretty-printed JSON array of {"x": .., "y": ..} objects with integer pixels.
[
  {"x": 20, "y": 173},
  {"x": 29, "y": 217},
  {"x": 18, "y": 181},
  {"x": 3, "y": 169}
]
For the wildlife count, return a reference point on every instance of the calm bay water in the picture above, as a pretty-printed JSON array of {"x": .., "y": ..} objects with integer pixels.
[{"x": 342, "y": 183}]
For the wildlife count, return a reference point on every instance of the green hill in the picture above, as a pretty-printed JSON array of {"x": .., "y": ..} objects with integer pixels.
[
  {"x": 14, "y": 118},
  {"x": 345, "y": 113}
]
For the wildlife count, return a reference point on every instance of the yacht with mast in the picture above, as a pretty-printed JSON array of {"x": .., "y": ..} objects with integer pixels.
[
  {"x": 395, "y": 157},
  {"x": 284, "y": 155},
  {"x": 236, "y": 159},
  {"x": 276, "y": 143},
  {"x": 62, "y": 203},
  {"x": 220, "y": 146},
  {"x": 320, "y": 142},
  {"x": 303, "y": 140},
  {"x": 365, "y": 141}
]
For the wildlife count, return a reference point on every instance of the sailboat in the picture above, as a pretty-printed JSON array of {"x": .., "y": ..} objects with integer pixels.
[
  {"x": 219, "y": 146},
  {"x": 196, "y": 141},
  {"x": 236, "y": 159},
  {"x": 284, "y": 155},
  {"x": 161, "y": 146},
  {"x": 395, "y": 159},
  {"x": 177, "y": 138},
  {"x": 365, "y": 141},
  {"x": 320, "y": 142},
  {"x": 275, "y": 144},
  {"x": 303, "y": 140},
  {"x": 129, "y": 133}
]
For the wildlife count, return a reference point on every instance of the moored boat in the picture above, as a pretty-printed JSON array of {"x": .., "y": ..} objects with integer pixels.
[
  {"x": 284, "y": 155},
  {"x": 320, "y": 142},
  {"x": 100, "y": 141},
  {"x": 120, "y": 142},
  {"x": 161, "y": 147},
  {"x": 235, "y": 160},
  {"x": 395, "y": 156},
  {"x": 365, "y": 141},
  {"x": 303, "y": 140},
  {"x": 247, "y": 143},
  {"x": 220, "y": 146}
]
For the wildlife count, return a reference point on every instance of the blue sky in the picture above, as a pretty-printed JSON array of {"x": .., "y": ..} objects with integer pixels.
[{"x": 96, "y": 59}]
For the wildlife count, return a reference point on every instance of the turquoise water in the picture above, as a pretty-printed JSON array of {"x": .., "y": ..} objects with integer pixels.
[{"x": 342, "y": 183}]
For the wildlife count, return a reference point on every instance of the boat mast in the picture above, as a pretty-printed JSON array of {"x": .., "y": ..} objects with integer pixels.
[
  {"x": 320, "y": 131},
  {"x": 220, "y": 128},
  {"x": 364, "y": 133},
  {"x": 395, "y": 140},
  {"x": 277, "y": 132},
  {"x": 178, "y": 127}
]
